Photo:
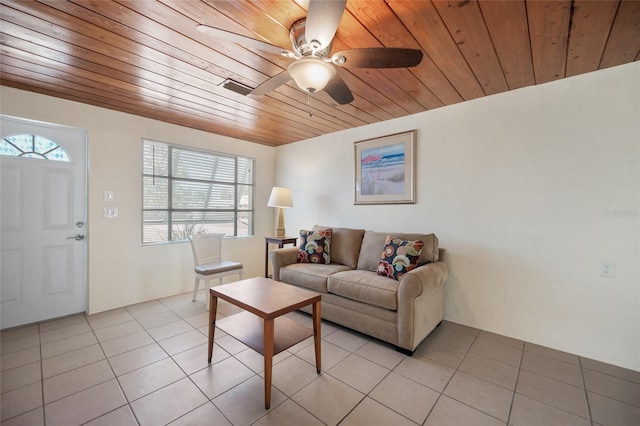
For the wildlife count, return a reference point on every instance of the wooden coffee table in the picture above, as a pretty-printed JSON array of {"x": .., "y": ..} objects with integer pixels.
[{"x": 262, "y": 327}]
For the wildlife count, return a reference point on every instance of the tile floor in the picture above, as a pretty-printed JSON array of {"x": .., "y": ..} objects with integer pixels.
[{"x": 146, "y": 364}]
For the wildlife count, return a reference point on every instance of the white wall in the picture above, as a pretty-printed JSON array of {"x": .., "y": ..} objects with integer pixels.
[
  {"x": 121, "y": 270},
  {"x": 528, "y": 191}
]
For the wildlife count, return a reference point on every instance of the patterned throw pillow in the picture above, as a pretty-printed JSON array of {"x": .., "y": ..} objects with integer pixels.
[
  {"x": 315, "y": 246},
  {"x": 399, "y": 257}
]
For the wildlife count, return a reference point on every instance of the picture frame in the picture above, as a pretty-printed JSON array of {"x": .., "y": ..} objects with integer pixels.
[{"x": 385, "y": 169}]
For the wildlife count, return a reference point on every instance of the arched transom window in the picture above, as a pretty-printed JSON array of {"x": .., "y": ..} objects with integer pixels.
[{"x": 32, "y": 146}]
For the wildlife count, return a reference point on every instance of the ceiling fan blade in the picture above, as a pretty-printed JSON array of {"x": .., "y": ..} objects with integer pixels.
[
  {"x": 378, "y": 57},
  {"x": 338, "y": 90},
  {"x": 243, "y": 40},
  {"x": 271, "y": 84},
  {"x": 323, "y": 18}
]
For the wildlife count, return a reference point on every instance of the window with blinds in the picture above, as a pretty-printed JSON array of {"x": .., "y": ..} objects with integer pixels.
[{"x": 187, "y": 191}]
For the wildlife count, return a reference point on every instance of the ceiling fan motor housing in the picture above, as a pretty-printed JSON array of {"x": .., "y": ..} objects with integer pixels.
[{"x": 300, "y": 44}]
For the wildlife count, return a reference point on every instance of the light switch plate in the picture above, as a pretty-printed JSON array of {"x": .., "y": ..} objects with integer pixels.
[
  {"x": 108, "y": 196},
  {"x": 110, "y": 212}
]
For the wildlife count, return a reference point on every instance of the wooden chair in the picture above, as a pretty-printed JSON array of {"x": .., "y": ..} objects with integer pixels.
[{"x": 207, "y": 254}]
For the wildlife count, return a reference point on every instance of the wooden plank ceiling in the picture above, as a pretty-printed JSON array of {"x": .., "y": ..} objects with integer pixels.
[{"x": 146, "y": 57}]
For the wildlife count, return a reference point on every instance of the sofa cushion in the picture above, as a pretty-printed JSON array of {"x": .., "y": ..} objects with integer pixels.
[
  {"x": 365, "y": 286},
  {"x": 315, "y": 246},
  {"x": 372, "y": 244},
  {"x": 345, "y": 245},
  {"x": 309, "y": 275},
  {"x": 398, "y": 257}
]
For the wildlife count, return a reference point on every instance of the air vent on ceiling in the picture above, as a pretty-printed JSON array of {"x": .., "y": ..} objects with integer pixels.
[{"x": 236, "y": 86}]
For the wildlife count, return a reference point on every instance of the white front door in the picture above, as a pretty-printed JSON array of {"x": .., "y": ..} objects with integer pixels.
[{"x": 43, "y": 221}]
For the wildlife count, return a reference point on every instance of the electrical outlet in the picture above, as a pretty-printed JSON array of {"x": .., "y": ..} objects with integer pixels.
[{"x": 608, "y": 269}]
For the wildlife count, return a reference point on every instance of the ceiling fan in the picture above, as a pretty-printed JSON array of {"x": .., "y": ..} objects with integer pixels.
[{"x": 313, "y": 69}]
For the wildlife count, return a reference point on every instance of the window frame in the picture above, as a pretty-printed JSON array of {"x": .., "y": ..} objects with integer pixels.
[{"x": 171, "y": 180}]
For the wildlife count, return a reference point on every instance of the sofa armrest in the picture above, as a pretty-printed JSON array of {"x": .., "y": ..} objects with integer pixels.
[
  {"x": 420, "y": 303},
  {"x": 424, "y": 278},
  {"x": 282, "y": 257}
]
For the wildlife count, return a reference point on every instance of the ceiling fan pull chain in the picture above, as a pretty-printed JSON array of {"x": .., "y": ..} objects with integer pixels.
[{"x": 309, "y": 103}]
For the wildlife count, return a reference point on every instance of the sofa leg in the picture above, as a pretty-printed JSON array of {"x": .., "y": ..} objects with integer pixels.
[{"x": 404, "y": 351}]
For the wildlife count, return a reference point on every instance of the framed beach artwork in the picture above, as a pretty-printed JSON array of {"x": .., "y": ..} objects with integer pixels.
[{"x": 384, "y": 169}]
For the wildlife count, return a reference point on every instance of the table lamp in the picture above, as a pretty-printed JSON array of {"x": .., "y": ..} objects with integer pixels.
[{"x": 280, "y": 198}]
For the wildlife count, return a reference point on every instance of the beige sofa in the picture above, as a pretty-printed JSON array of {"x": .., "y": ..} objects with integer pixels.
[{"x": 400, "y": 312}]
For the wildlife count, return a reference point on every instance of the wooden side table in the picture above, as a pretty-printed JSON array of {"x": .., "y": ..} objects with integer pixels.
[
  {"x": 263, "y": 327},
  {"x": 280, "y": 241}
]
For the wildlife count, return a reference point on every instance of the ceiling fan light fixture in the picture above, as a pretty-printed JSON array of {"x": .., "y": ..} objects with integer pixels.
[{"x": 311, "y": 74}]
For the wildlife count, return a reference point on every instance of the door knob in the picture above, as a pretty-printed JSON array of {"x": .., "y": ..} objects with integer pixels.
[{"x": 78, "y": 237}]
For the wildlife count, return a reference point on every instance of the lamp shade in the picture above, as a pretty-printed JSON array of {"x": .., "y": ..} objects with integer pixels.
[
  {"x": 280, "y": 197},
  {"x": 311, "y": 74}
]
